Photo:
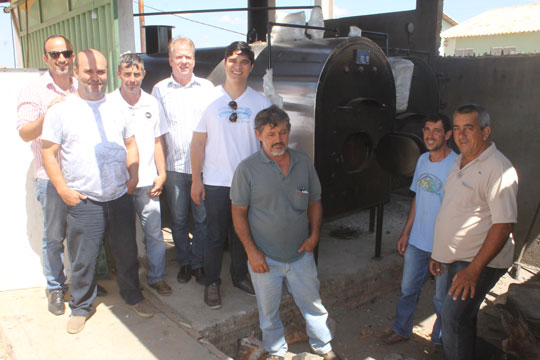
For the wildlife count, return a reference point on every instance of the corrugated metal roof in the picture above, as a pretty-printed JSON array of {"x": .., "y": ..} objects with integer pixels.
[{"x": 507, "y": 20}]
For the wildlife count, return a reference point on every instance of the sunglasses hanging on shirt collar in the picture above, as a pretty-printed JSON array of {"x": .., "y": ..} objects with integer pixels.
[{"x": 234, "y": 115}]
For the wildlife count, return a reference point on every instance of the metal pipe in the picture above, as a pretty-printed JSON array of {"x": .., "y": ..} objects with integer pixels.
[
  {"x": 372, "y": 220},
  {"x": 141, "y": 27},
  {"x": 269, "y": 42},
  {"x": 408, "y": 51},
  {"x": 7, "y": 9},
  {"x": 257, "y": 19},
  {"x": 386, "y": 38},
  {"x": 378, "y": 234},
  {"x": 225, "y": 10}
]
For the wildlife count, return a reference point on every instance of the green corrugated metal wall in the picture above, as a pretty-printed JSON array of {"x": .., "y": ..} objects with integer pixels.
[{"x": 86, "y": 23}]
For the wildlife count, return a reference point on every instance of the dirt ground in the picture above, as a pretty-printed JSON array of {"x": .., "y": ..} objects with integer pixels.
[{"x": 359, "y": 328}]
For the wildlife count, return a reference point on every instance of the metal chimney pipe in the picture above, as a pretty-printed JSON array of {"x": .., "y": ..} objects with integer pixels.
[{"x": 257, "y": 20}]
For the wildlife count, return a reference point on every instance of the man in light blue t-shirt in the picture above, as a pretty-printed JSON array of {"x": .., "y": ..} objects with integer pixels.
[{"x": 416, "y": 240}]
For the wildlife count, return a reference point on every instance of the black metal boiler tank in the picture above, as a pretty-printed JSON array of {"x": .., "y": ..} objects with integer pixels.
[{"x": 340, "y": 96}]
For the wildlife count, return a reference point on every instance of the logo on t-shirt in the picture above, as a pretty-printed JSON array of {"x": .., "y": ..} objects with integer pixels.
[{"x": 430, "y": 183}]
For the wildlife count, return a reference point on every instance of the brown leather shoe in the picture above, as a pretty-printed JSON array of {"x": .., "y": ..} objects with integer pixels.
[
  {"x": 75, "y": 324},
  {"x": 212, "y": 298},
  {"x": 392, "y": 338},
  {"x": 144, "y": 309},
  {"x": 161, "y": 287}
]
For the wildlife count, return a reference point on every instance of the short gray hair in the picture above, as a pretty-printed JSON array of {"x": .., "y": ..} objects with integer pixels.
[
  {"x": 483, "y": 116},
  {"x": 129, "y": 59},
  {"x": 182, "y": 40},
  {"x": 272, "y": 116}
]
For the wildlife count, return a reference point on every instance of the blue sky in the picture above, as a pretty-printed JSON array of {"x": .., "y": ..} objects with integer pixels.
[{"x": 236, "y": 22}]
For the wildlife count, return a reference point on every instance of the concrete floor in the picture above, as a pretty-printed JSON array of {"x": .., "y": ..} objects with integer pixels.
[
  {"x": 185, "y": 328},
  {"x": 29, "y": 331}
]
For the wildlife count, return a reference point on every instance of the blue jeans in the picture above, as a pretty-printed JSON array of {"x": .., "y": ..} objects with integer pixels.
[
  {"x": 301, "y": 279},
  {"x": 149, "y": 212},
  {"x": 178, "y": 187},
  {"x": 415, "y": 273},
  {"x": 220, "y": 229},
  {"x": 88, "y": 223},
  {"x": 54, "y": 230},
  {"x": 459, "y": 317}
]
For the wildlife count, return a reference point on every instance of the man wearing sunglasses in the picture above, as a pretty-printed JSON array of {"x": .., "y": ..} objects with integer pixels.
[
  {"x": 223, "y": 138},
  {"x": 184, "y": 97},
  {"x": 34, "y": 102}
]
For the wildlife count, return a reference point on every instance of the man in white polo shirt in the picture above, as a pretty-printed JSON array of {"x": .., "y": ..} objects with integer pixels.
[
  {"x": 150, "y": 126},
  {"x": 224, "y": 137},
  {"x": 473, "y": 228}
]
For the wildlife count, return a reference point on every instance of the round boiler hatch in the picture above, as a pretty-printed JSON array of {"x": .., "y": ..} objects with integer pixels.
[{"x": 357, "y": 151}]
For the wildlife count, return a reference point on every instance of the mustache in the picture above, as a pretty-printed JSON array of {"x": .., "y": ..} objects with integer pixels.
[{"x": 277, "y": 144}]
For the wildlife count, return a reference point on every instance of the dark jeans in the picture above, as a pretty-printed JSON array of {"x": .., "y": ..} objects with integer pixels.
[
  {"x": 459, "y": 317},
  {"x": 87, "y": 223},
  {"x": 218, "y": 212},
  {"x": 54, "y": 231},
  {"x": 178, "y": 186}
]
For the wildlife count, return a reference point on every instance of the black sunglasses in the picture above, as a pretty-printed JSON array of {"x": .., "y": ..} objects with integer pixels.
[
  {"x": 234, "y": 116},
  {"x": 56, "y": 54}
]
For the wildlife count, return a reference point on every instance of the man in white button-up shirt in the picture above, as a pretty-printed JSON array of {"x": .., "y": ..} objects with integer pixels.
[{"x": 184, "y": 97}]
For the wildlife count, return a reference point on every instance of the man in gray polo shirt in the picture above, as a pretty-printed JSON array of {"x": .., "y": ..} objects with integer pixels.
[{"x": 277, "y": 212}]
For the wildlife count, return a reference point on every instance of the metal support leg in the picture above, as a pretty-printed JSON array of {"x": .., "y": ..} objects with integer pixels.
[
  {"x": 378, "y": 235},
  {"x": 372, "y": 219}
]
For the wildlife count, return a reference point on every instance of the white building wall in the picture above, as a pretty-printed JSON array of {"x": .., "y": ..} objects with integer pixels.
[{"x": 22, "y": 220}]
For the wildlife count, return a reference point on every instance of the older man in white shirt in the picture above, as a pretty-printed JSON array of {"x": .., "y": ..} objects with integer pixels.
[{"x": 184, "y": 97}]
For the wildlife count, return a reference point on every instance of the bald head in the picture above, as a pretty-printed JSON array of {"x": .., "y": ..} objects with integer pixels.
[{"x": 91, "y": 72}]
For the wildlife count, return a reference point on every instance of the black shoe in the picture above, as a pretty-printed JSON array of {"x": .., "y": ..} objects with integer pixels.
[
  {"x": 199, "y": 275},
  {"x": 184, "y": 275},
  {"x": 246, "y": 286},
  {"x": 212, "y": 298},
  {"x": 56, "y": 302},
  {"x": 101, "y": 291}
]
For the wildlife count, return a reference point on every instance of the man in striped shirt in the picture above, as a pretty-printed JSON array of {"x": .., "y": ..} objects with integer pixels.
[
  {"x": 184, "y": 97},
  {"x": 34, "y": 101}
]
